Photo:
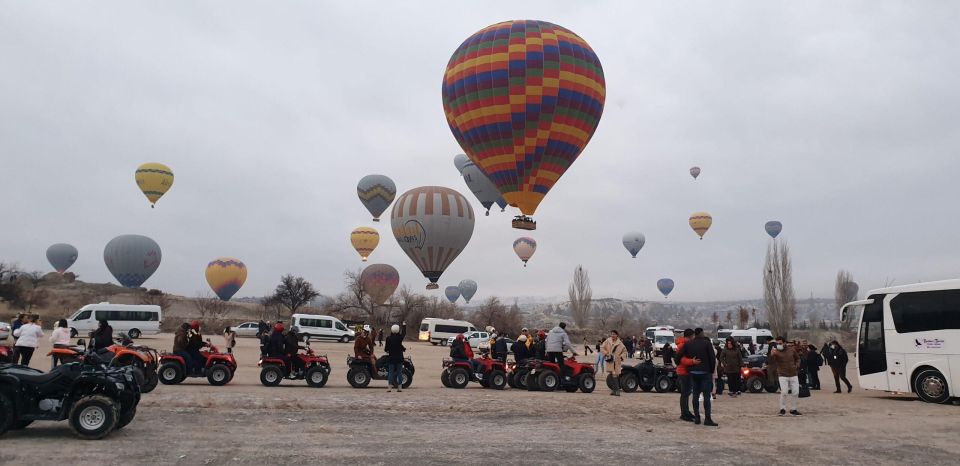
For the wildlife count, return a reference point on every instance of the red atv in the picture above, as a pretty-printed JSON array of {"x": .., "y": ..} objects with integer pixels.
[
  {"x": 490, "y": 373},
  {"x": 218, "y": 367},
  {"x": 755, "y": 380},
  {"x": 6, "y": 354},
  {"x": 313, "y": 368},
  {"x": 545, "y": 376}
]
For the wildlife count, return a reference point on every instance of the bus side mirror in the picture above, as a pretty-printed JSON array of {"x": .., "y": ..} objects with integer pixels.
[{"x": 843, "y": 314}]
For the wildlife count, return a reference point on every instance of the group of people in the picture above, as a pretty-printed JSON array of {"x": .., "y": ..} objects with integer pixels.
[
  {"x": 364, "y": 346},
  {"x": 543, "y": 345},
  {"x": 187, "y": 342},
  {"x": 27, "y": 332}
]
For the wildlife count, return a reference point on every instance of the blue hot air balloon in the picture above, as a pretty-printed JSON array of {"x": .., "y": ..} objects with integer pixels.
[
  {"x": 773, "y": 228},
  {"x": 453, "y": 293},
  {"x": 665, "y": 285},
  {"x": 132, "y": 259}
]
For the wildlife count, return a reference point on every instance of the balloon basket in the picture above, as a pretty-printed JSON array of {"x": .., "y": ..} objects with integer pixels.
[
  {"x": 432, "y": 286},
  {"x": 522, "y": 222},
  {"x": 376, "y": 220}
]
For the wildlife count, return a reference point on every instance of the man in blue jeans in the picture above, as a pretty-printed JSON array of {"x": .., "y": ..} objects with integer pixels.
[
  {"x": 701, "y": 375},
  {"x": 395, "y": 349}
]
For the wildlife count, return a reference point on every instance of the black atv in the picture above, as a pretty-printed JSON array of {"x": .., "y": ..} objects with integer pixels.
[
  {"x": 646, "y": 376},
  {"x": 94, "y": 398},
  {"x": 361, "y": 371}
]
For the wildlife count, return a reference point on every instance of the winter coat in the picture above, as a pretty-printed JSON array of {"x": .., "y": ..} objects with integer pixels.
[
  {"x": 291, "y": 344},
  {"x": 668, "y": 353},
  {"x": 683, "y": 363},
  {"x": 457, "y": 351},
  {"x": 700, "y": 348},
  {"x": 838, "y": 357},
  {"x": 275, "y": 345},
  {"x": 467, "y": 349},
  {"x": 362, "y": 347},
  {"x": 500, "y": 347},
  {"x": 520, "y": 350},
  {"x": 28, "y": 335},
  {"x": 786, "y": 362},
  {"x": 557, "y": 340},
  {"x": 731, "y": 359},
  {"x": 60, "y": 336},
  {"x": 615, "y": 349},
  {"x": 814, "y": 361},
  {"x": 180, "y": 341},
  {"x": 194, "y": 340},
  {"x": 394, "y": 346},
  {"x": 628, "y": 344},
  {"x": 102, "y": 337}
]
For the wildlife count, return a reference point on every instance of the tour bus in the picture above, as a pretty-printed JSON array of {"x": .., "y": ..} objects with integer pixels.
[
  {"x": 650, "y": 331},
  {"x": 134, "y": 320},
  {"x": 908, "y": 339},
  {"x": 322, "y": 327},
  {"x": 759, "y": 337},
  {"x": 438, "y": 331}
]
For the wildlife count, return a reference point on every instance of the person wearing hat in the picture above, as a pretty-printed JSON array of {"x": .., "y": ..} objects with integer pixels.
[
  {"x": 194, "y": 343},
  {"x": 276, "y": 343},
  {"x": 527, "y": 338},
  {"x": 521, "y": 349},
  {"x": 395, "y": 349}
]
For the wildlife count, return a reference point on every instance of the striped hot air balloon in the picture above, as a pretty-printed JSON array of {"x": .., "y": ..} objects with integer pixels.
[
  {"x": 226, "y": 276},
  {"x": 525, "y": 247},
  {"x": 154, "y": 179},
  {"x": 523, "y": 98},
  {"x": 379, "y": 281},
  {"x": 433, "y": 225},
  {"x": 376, "y": 192},
  {"x": 364, "y": 240},
  {"x": 700, "y": 222}
]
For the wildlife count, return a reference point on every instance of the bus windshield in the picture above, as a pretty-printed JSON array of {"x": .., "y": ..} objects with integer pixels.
[{"x": 661, "y": 339}]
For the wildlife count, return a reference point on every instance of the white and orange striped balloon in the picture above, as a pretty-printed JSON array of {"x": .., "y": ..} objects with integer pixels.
[{"x": 433, "y": 225}]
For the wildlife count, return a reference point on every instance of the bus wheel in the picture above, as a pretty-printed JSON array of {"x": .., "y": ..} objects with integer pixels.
[{"x": 931, "y": 386}]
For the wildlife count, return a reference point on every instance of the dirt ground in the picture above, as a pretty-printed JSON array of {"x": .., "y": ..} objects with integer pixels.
[{"x": 247, "y": 423}]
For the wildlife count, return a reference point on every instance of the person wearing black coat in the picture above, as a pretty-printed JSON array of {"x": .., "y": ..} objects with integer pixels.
[
  {"x": 103, "y": 336},
  {"x": 291, "y": 346},
  {"x": 667, "y": 353},
  {"x": 814, "y": 361},
  {"x": 500, "y": 349},
  {"x": 394, "y": 348},
  {"x": 838, "y": 360},
  {"x": 520, "y": 351},
  {"x": 701, "y": 375},
  {"x": 276, "y": 343}
]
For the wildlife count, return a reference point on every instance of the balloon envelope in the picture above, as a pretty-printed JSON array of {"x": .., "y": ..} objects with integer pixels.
[
  {"x": 468, "y": 288},
  {"x": 364, "y": 240},
  {"x": 851, "y": 289},
  {"x": 61, "y": 256},
  {"x": 432, "y": 224},
  {"x": 132, "y": 259},
  {"x": 376, "y": 192},
  {"x": 523, "y": 98},
  {"x": 480, "y": 185},
  {"x": 452, "y": 293},
  {"x": 665, "y": 285},
  {"x": 154, "y": 180},
  {"x": 379, "y": 281},
  {"x": 226, "y": 275},
  {"x": 773, "y": 228},
  {"x": 525, "y": 247},
  {"x": 695, "y": 172},
  {"x": 700, "y": 222},
  {"x": 634, "y": 242}
]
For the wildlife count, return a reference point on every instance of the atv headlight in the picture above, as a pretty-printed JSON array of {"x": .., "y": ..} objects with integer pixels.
[{"x": 118, "y": 385}]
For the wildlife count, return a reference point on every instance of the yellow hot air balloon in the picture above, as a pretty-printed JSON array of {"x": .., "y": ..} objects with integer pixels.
[
  {"x": 154, "y": 179},
  {"x": 700, "y": 222},
  {"x": 225, "y": 276},
  {"x": 364, "y": 240}
]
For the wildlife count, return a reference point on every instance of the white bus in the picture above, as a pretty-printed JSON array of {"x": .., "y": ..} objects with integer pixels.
[
  {"x": 134, "y": 320},
  {"x": 908, "y": 339},
  {"x": 438, "y": 331},
  {"x": 759, "y": 337}
]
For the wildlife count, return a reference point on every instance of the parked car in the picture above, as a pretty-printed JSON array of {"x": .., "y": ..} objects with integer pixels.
[
  {"x": 4, "y": 330},
  {"x": 477, "y": 340},
  {"x": 247, "y": 329}
]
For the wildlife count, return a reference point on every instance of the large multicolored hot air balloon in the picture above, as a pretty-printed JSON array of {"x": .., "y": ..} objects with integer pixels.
[
  {"x": 695, "y": 172},
  {"x": 524, "y": 247},
  {"x": 432, "y": 224},
  {"x": 226, "y": 275},
  {"x": 452, "y": 293},
  {"x": 634, "y": 241},
  {"x": 665, "y": 285},
  {"x": 700, "y": 222},
  {"x": 479, "y": 184},
  {"x": 132, "y": 259},
  {"x": 154, "y": 179},
  {"x": 379, "y": 281},
  {"x": 773, "y": 228},
  {"x": 468, "y": 288},
  {"x": 364, "y": 240},
  {"x": 376, "y": 192},
  {"x": 61, "y": 256},
  {"x": 523, "y": 98}
]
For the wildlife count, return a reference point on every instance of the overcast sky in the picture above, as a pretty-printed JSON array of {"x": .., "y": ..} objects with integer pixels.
[{"x": 838, "y": 119}]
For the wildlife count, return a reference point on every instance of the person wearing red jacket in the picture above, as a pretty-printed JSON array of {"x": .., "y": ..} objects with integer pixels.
[{"x": 683, "y": 375}]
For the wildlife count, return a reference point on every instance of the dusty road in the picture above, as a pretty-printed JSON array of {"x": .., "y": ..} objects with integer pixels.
[{"x": 246, "y": 423}]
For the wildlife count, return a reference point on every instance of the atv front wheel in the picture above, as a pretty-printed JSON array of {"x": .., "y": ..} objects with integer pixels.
[
  {"x": 94, "y": 417},
  {"x": 170, "y": 373},
  {"x": 459, "y": 378},
  {"x": 497, "y": 380},
  {"x": 218, "y": 374},
  {"x": 548, "y": 381},
  {"x": 663, "y": 384},
  {"x": 406, "y": 378},
  {"x": 271, "y": 375},
  {"x": 126, "y": 416},
  {"x": 358, "y": 378},
  {"x": 316, "y": 376},
  {"x": 629, "y": 383},
  {"x": 755, "y": 384},
  {"x": 587, "y": 383},
  {"x": 150, "y": 381},
  {"x": 445, "y": 378}
]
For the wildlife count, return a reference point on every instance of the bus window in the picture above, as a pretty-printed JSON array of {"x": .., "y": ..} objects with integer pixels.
[
  {"x": 871, "y": 352},
  {"x": 925, "y": 311}
]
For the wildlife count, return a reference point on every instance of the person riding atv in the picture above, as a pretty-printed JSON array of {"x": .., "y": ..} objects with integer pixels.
[{"x": 304, "y": 364}]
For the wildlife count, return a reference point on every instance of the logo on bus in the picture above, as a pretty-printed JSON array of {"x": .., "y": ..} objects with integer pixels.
[{"x": 935, "y": 343}]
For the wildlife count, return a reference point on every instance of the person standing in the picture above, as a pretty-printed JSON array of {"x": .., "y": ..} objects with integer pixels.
[
  {"x": 683, "y": 375},
  {"x": 229, "y": 339},
  {"x": 667, "y": 353},
  {"x": 380, "y": 337},
  {"x": 701, "y": 374},
  {"x": 586, "y": 347},
  {"x": 814, "y": 361},
  {"x": 28, "y": 339},
  {"x": 395, "y": 349},
  {"x": 262, "y": 329},
  {"x": 838, "y": 364},
  {"x": 558, "y": 342},
  {"x": 787, "y": 362},
  {"x": 731, "y": 360},
  {"x": 628, "y": 345},
  {"x": 613, "y": 351},
  {"x": 59, "y": 338}
]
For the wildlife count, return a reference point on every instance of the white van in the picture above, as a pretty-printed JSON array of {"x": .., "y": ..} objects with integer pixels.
[
  {"x": 759, "y": 337},
  {"x": 134, "y": 320},
  {"x": 439, "y": 331},
  {"x": 323, "y": 327}
]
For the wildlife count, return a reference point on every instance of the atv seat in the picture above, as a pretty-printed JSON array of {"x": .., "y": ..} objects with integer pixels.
[{"x": 35, "y": 377}]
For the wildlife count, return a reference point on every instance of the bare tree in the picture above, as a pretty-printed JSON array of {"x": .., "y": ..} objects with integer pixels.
[
  {"x": 210, "y": 306},
  {"x": 581, "y": 296},
  {"x": 26, "y": 292},
  {"x": 844, "y": 291},
  {"x": 293, "y": 293},
  {"x": 743, "y": 316},
  {"x": 494, "y": 313},
  {"x": 778, "y": 291},
  {"x": 715, "y": 318}
]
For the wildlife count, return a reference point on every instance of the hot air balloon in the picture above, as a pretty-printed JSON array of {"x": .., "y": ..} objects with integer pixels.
[
  {"x": 154, "y": 179},
  {"x": 132, "y": 259},
  {"x": 773, "y": 228},
  {"x": 665, "y": 285},
  {"x": 453, "y": 293},
  {"x": 467, "y": 289},
  {"x": 695, "y": 172},
  {"x": 432, "y": 224},
  {"x": 523, "y": 98},
  {"x": 376, "y": 192},
  {"x": 364, "y": 240},
  {"x": 479, "y": 184},
  {"x": 226, "y": 275},
  {"x": 700, "y": 222},
  {"x": 851, "y": 289},
  {"x": 379, "y": 281},
  {"x": 634, "y": 242},
  {"x": 61, "y": 256},
  {"x": 524, "y": 247}
]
